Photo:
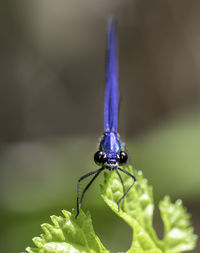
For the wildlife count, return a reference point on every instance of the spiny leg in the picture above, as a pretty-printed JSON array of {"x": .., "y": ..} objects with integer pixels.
[
  {"x": 87, "y": 186},
  {"x": 134, "y": 178},
  {"x": 123, "y": 191},
  {"x": 131, "y": 163}
]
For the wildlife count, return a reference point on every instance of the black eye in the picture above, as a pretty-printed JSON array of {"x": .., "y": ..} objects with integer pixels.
[
  {"x": 123, "y": 157},
  {"x": 99, "y": 157}
]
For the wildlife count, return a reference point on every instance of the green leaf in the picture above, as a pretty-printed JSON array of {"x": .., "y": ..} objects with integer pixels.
[
  {"x": 178, "y": 233},
  {"x": 138, "y": 213},
  {"x": 68, "y": 234}
]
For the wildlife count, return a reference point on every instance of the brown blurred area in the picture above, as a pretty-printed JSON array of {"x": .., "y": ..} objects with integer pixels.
[{"x": 53, "y": 59}]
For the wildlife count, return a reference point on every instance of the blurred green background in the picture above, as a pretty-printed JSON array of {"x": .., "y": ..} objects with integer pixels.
[{"x": 52, "y": 90}]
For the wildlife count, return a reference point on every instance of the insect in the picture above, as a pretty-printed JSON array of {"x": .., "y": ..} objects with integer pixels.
[{"x": 111, "y": 154}]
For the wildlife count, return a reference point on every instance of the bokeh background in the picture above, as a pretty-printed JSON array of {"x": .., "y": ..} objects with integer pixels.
[{"x": 52, "y": 90}]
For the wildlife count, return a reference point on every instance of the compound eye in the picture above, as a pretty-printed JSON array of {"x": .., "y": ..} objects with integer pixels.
[
  {"x": 99, "y": 157},
  {"x": 123, "y": 157}
]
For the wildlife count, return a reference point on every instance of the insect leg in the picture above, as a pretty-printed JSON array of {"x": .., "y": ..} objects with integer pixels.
[
  {"x": 87, "y": 186},
  {"x": 130, "y": 175},
  {"x": 123, "y": 190}
]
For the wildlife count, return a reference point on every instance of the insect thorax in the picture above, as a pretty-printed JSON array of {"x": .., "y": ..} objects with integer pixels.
[{"x": 110, "y": 143}]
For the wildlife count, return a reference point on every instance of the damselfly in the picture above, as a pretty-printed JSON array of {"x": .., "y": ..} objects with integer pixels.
[{"x": 111, "y": 154}]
